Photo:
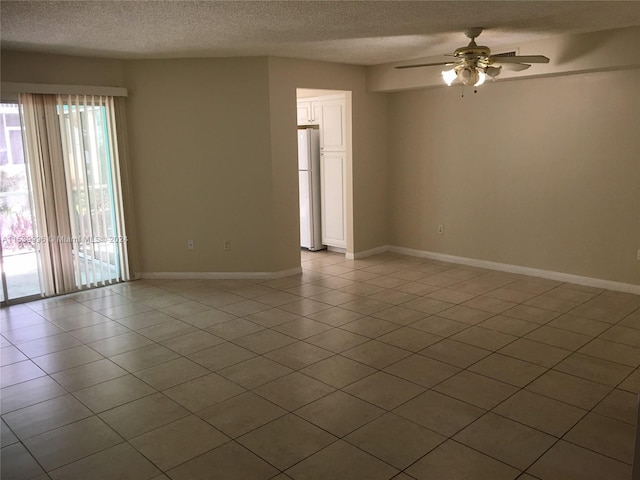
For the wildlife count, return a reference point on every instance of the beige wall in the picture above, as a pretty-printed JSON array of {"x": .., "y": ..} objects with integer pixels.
[
  {"x": 369, "y": 147},
  {"x": 200, "y": 150},
  {"x": 199, "y": 154},
  {"x": 28, "y": 67},
  {"x": 213, "y": 154},
  {"x": 213, "y": 147},
  {"x": 540, "y": 173}
]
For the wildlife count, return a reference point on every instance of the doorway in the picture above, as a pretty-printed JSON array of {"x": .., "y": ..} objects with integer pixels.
[
  {"x": 61, "y": 214},
  {"x": 329, "y": 111}
]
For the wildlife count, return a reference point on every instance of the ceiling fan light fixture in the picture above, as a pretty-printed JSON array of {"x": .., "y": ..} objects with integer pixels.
[
  {"x": 469, "y": 75},
  {"x": 449, "y": 76},
  {"x": 493, "y": 72},
  {"x": 481, "y": 77}
]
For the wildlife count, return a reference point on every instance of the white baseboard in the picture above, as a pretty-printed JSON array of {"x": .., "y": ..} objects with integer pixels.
[
  {"x": 337, "y": 249},
  {"x": 534, "y": 272},
  {"x": 472, "y": 262},
  {"x": 220, "y": 275},
  {"x": 367, "y": 253}
]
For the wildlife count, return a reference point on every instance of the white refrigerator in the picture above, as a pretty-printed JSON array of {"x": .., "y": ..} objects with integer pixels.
[{"x": 309, "y": 178}]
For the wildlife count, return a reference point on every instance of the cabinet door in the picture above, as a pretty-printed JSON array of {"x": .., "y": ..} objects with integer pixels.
[
  {"x": 316, "y": 112},
  {"x": 332, "y": 126},
  {"x": 332, "y": 184},
  {"x": 305, "y": 116}
]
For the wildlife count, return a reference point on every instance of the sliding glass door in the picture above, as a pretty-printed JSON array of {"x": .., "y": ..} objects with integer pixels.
[
  {"x": 90, "y": 189},
  {"x": 61, "y": 213},
  {"x": 18, "y": 259}
]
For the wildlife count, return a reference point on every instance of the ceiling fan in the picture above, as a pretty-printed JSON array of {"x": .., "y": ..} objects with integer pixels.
[{"x": 474, "y": 63}]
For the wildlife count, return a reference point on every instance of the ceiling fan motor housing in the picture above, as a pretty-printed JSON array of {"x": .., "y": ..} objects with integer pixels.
[{"x": 474, "y": 55}]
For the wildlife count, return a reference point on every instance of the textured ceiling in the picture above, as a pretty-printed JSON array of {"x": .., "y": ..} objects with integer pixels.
[{"x": 358, "y": 32}]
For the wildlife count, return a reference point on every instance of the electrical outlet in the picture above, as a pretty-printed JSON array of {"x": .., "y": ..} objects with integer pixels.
[
  {"x": 191, "y": 245},
  {"x": 226, "y": 245},
  {"x": 441, "y": 229},
  {"x": 638, "y": 255}
]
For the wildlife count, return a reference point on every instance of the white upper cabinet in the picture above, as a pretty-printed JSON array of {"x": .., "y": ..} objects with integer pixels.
[
  {"x": 309, "y": 112},
  {"x": 329, "y": 114},
  {"x": 304, "y": 113}
]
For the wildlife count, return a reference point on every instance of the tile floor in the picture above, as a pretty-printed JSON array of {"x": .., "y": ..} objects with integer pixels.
[{"x": 387, "y": 367}]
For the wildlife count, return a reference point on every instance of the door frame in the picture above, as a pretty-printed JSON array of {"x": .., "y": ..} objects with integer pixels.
[{"x": 302, "y": 93}]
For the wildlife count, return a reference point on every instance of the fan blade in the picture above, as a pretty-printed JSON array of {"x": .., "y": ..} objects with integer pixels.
[
  {"x": 425, "y": 65},
  {"x": 514, "y": 67},
  {"x": 519, "y": 59}
]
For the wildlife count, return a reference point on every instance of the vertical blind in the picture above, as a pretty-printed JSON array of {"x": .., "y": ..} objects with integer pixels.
[{"x": 74, "y": 167}]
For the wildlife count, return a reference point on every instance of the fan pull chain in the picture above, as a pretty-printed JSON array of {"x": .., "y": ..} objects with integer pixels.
[{"x": 475, "y": 90}]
